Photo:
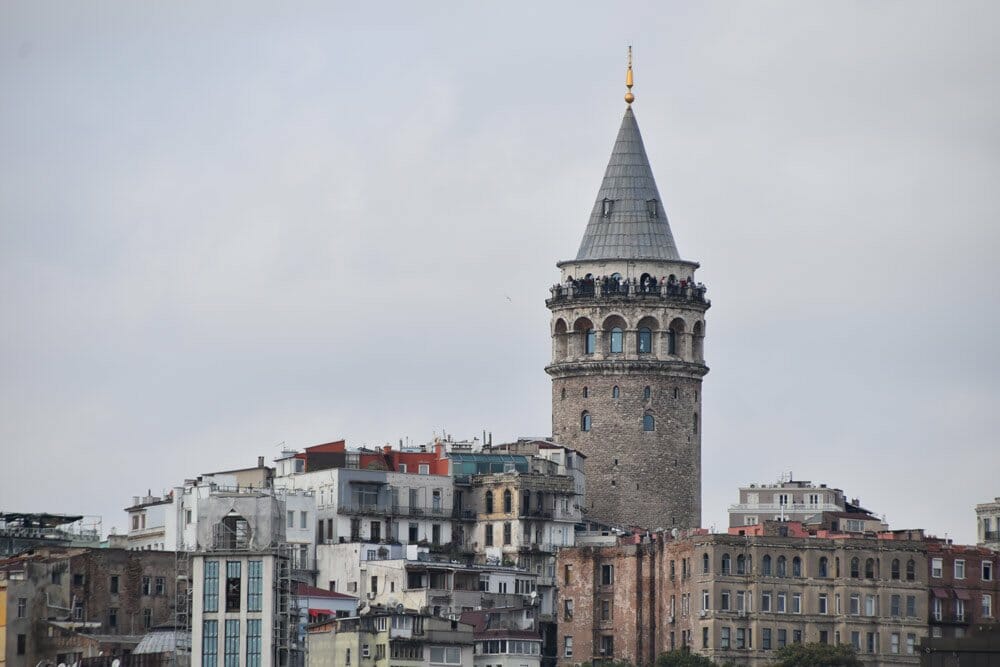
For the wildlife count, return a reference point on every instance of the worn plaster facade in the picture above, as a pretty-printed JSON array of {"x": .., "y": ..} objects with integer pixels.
[{"x": 628, "y": 328}]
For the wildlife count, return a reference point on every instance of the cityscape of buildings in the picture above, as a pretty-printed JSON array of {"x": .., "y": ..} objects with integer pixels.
[{"x": 582, "y": 547}]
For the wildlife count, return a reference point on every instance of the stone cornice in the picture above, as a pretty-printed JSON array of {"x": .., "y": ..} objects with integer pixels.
[{"x": 626, "y": 367}]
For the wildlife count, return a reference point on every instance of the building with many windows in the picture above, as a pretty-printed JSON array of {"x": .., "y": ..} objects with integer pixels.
[
  {"x": 988, "y": 524},
  {"x": 963, "y": 588},
  {"x": 741, "y": 596},
  {"x": 787, "y": 500}
]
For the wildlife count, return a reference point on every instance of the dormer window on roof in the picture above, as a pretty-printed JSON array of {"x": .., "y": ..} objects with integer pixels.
[
  {"x": 608, "y": 205},
  {"x": 652, "y": 208}
]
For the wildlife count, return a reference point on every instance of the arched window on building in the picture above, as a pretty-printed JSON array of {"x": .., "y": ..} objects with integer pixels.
[
  {"x": 489, "y": 502},
  {"x": 727, "y": 566},
  {"x": 615, "y": 392},
  {"x": 911, "y": 570},
  {"x": 506, "y": 532},
  {"x": 645, "y": 340},
  {"x": 648, "y": 422},
  {"x": 617, "y": 341},
  {"x": 870, "y": 568},
  {"x": 585, "y": 421},
  {"x": 855, "y": 568},
  {"x": 765, "y": 565},
  {"x": 796, "y": 567},
  {"x": 824, "y": 568},
  {"x": 741, "y": 564},
  {"x": 895, "y": 568},
  {"x": 705, "y": 564},
  {"x": 508, "y": 502},
  {"x": 782, "y": 567},
  {"x": 671, "y": 341}
]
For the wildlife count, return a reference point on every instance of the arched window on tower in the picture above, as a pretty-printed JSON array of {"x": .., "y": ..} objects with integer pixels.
[
  {"x": 647, "y": 392},
  {"x": 589, "y": 341},
  {"x": 586, "y": 392},
  {"x": 617, "y": 341},
  {"x": 489, "y": 502},
  {"x": 563, "y": 393},
  {"x": 648, "y": 422},
  {"x": 615, "y": 392},
  {"x": 645, "y": 341},
  {"x": 584, "y": 421},
  {"x": 508, "y": 502}
]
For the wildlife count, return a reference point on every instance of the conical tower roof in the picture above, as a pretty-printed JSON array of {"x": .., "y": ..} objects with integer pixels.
[{"x": 628, "y": 220}]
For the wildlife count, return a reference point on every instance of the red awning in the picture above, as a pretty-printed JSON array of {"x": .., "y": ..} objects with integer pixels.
[
  {"x": 962, "y": 595},
  {"x": 320, "y": 612},
  {"x": 940, "y": 593}
]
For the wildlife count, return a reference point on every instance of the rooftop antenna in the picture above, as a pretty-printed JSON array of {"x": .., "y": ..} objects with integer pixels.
[{"x": 629, "y": 97}]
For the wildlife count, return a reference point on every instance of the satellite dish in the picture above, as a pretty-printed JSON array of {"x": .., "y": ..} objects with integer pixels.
[
  {"x": 116, "y": 663},
  {"x": 674, "y": 533},
  {"x": 400, "y": 608}
]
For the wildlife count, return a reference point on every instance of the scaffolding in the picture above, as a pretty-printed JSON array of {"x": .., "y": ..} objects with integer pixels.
[
  {"x": 182, "y": 588},
  {"x": 287, "y": 651}
]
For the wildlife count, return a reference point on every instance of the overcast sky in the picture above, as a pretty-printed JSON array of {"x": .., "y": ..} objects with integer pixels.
[{"x": 224, "y": 226}]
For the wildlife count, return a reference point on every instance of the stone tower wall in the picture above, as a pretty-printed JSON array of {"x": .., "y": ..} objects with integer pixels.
[{"x": 635, "y": 477}]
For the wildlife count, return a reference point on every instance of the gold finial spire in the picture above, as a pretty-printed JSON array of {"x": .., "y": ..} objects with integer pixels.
[{"x": 629, "y": 97}]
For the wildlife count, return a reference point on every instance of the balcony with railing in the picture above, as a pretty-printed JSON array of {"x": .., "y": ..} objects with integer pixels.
[{"x": 607, "y": 288}]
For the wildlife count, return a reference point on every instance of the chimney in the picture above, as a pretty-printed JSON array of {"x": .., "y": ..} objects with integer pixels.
[{"x": 260, "y": 461}]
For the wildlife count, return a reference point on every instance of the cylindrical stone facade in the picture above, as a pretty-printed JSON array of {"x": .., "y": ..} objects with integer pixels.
[{"x": 642, "y": 405}]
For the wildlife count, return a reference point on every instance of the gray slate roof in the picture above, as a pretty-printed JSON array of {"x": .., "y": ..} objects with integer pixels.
[{"x": 629, "y": 231}]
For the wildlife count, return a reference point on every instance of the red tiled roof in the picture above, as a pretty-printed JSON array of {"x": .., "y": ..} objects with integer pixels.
[{"x": 306, "y": 590}]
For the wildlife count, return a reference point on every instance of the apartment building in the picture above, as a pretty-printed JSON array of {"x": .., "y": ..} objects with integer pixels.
[
  {"x": 740, "y": 597},
  {"x": 963, "y": 588},
  {"x": 988, "y": 524}
]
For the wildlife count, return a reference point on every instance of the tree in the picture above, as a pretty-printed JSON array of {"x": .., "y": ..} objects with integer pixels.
[
  {"x": 683, "y": 659},
  {"x": 608, "y": 663},
  {"x": 817, "y": 655}
]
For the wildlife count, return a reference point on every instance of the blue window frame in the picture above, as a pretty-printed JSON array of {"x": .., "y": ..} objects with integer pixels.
[
  {"x": 210, "y": 599},
  {"x": 210, "y": 644},
  {"x": 645, "y": 341},
  {"x": 255, "y": 585},
  {"x": 232, "y": 655},
  {"x": 648, "y": 422},
  {"x": 585, "y": 421},
  {"x": 253, "y": 642},
  {"x": 590, "y": 341}
]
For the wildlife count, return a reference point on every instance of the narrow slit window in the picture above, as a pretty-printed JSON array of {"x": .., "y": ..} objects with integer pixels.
[
  {"x": 652, "y": 208},
  {"x": 606, "y": 206}
]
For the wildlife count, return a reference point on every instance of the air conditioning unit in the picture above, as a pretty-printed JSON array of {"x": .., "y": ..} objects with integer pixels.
[{"x": 703, "y": 613}]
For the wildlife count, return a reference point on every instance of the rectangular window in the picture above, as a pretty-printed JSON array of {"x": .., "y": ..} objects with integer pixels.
[
  {"x": 823, "y": 604},
  {"x": 210, "y": 644},
  {"x": 303, "y": 519},
  {"x": 872, "y": 643},
  {"x": 567, "y": 646},
  {"x": 894, "y": 642},
  {"x": 855, "y": 609},
  {"x": 724, "y": 638},
  {"x": 232, "y": 654},
  {"x": 856, "y": 641},
  {"x": 781, "y": 603},
  {"x": 987, "y": 570},
  {"x": 724, "y": 601},
  {"x": 782, "y": 637},
  {"x": 488, "y": 534},
  {"x": 824, "y": 636},
  {"x": 704, "y": 637},
  {"x": 567, "y": 610},
  {"x": 960, "y": 568},
  {"x": 870, "y": 605},
  {"x": 911, "y": 644},
  {"x": 836, "y": 604},
  {"x": 113, "y": 585},
  {"x": 161, "y": 586},
  {"x": 113, "y": 617},
  {"x": 423, "y": 469},
  {"x": 210, "y": 599},
  {"x": 234, "y": 590},
  {"x": 959, "y": 610},
  {"x": 147, "y": 585},
  {"x": 22, "y": 644},
  {"x": 796, "y": 636},
  {"x": 255, "y": 587},
  {"x": 765, "y": 639},
  {"x": 911, "y": 606},
  {"x": 253, "y": 642},
  {"x": 705, "y": 599},
  {"x": 797, "y": 603},
  {"x": 765, "y": 601},
  {"x": 291, "y": 518},
  {"x": 606, "y": 614},
  {"x": 987, "y": 606},
  {"x": 741, "y": 638},
  {"x": 937, "y": 568},
  {"x": 894, "y": 606},
  {"x": 937, "y": 609},
  {"x": 446, "y": 655},
  {"x": 607, "y": 575},
  {"x": 147, "y": 618},
  {"x": 22, "y": 607}
]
